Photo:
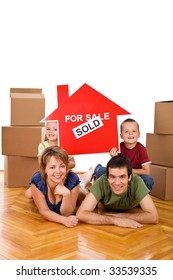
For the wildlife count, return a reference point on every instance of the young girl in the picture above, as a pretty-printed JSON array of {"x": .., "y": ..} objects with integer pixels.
[
  {"x": 51, "y": 139},
  {"x": 54, "y": 188}
]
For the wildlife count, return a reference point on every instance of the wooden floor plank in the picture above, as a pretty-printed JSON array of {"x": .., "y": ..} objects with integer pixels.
[{"x": 25, "y": 235}]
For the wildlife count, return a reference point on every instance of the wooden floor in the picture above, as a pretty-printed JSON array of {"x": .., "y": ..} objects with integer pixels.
[{"x": 24, "y": 235}]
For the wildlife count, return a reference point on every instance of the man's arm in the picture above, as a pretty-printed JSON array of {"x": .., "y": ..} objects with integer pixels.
[
  {"x": 149, "y": 214},
  {"x": 86, "y": 214},
  {"x": 150, "y": 211}
]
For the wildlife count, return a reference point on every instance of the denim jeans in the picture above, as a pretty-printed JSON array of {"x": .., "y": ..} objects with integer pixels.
[
  {"x": 99, "y": 171},
  {"x": 148, "y": 180}
]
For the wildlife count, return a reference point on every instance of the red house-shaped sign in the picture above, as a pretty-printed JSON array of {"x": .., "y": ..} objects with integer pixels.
[{"x": 87, "y": 120}]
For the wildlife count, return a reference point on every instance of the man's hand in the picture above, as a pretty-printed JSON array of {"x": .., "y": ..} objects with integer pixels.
[{"x": 125, "y": 222}]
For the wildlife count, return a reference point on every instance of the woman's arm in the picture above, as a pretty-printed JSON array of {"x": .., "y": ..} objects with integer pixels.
[
  {"x": 46, "y": 213},
  {"x": 69, "y": 199}
]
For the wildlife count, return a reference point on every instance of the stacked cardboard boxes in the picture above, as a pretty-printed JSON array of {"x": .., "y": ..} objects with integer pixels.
[
  {"x": 160, "y": 148},
  {"x": 20, "y": 140}
]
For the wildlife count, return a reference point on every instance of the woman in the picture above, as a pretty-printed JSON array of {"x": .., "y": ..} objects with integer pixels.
[
  {"x": 54, "y": 188},
  {"x": 51, "y": 139}
]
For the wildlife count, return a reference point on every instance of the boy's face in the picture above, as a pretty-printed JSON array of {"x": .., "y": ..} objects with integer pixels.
[
  {"x": 130, "y": 132},
  {"x": 118, "y": 180}
]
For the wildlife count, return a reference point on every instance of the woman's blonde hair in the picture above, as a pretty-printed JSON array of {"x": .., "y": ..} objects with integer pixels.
[{"x": 55, "y": 151}]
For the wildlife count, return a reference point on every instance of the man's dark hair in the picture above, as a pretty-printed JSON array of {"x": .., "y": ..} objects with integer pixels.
[{"x": 119, "y": 162}]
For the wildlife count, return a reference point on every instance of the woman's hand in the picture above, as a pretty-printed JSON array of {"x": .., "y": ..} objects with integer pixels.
[
  {"x": 70, "y": 221},
  {"x": 61, "y": 190}
]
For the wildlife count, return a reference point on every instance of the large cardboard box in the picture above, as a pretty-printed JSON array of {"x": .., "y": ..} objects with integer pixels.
[
  {"x": 21, "y": 141},
  {"x": 163, "y": 182},
  {"x": 160, "y": 148},
  {"x": 19, "y": 170},
  {"x": 163, "y": 119},
  {"x": 27, "y": 106}
]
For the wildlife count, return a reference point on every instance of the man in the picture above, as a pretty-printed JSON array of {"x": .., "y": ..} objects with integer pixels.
[{"x": 119, "y": 190}]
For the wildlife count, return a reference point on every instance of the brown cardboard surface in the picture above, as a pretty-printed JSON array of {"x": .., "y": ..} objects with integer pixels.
[
  {"x": 25, "y": 90},
  {"x": 27, "y": 109},
  {"x": 163, "y": 118},
  {"x": 160, "y": 148},
  {"x": 19, "y": 170},
  {"x": 163, "y": 182},
  {"x": 21, "y": 141}
]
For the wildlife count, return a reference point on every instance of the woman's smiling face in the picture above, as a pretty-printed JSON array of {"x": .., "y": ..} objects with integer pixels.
[{"x": 56, "y": 170}]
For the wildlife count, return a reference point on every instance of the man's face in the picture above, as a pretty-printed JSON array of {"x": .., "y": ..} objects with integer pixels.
[{"x": 118, "y": 180}]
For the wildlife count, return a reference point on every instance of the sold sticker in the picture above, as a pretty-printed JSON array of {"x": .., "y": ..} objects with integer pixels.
[{"x": 87, "y": 127}]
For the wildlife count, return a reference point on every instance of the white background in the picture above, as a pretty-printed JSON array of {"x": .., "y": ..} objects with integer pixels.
[
  {"x": 123, "y": 49},
  {"x": 109, "y": 269}
]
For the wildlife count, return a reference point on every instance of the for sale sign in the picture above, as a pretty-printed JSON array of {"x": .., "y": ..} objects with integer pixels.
[{"x": 87, "y": 120}]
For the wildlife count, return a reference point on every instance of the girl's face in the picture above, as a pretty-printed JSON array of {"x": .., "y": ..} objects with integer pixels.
[
  {"x": 130, "y": 132},
  {"x": 51, "y": 131},
  {"x": 56, "y": 170}
]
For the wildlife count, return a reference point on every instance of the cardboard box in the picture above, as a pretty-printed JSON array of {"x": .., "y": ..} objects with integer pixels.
[
  {"x": 163, "y": 182},
  {"x": 27, "y": 107},
  {"x": 163, "y": 119},
  {"x": 160, "y": 148},
  {"x": 19, "y": 170},
  {"x": 21, "y": 141}
]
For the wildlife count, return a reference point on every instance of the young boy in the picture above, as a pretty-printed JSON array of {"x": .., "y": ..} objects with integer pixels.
[{"x": 133, "y": 150}]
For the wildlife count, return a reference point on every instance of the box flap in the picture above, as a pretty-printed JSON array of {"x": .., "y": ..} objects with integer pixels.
[
  {"x": 166, "y": 101},
  {"x": 25, "y": 90},
  {"x": 26, "y": 95}
]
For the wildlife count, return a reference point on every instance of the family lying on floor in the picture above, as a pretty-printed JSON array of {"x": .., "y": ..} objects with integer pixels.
[{"x": 62, "y": 196}]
